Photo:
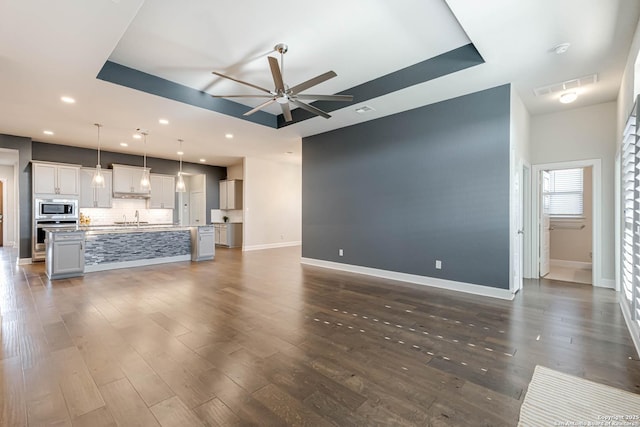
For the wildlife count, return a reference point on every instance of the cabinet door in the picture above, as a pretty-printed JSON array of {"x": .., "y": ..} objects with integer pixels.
[
  {"x": 224, "y": 240},
  {"x": 216, "y": 231},
  {"x": 223, "y": 195},
  {"x": 206, "y": 245},
  {"x": 103, "y": 195},
  {"x": 68, "y": 257},
  {"x": 168, "y": 192},
  {"x": 68, "y": 181},
  {"x": 157, "y": 195},
  {"x": 122, "y": 179},
  {"x": 44, "y": 179},
  {"x": 87, "y": 192},
  {"x": 136, "y": 177}
]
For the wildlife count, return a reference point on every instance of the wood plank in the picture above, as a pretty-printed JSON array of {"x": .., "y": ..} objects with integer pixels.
[
  {"x": 215, "y": 413},
  {"x": 291, "y": 410},
  {"x": 173, "y": 413},
  {"x": 125, "y": 405}
]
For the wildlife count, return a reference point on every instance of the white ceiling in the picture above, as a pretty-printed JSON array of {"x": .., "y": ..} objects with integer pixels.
[{"x": 49, "y": 49}]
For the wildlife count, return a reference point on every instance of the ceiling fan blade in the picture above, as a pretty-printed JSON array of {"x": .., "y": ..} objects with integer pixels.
[
  {"x": 286, "y": 111},
  {"x": 259, "y": 107},
  {"x": 241, "y": 82},
  {"x": 242, "y": 96},
  {"x": 314, "y": 81},
  {"x": 275, "y": 72},
  {"x": 325, "y": 97},
  {"x": 310, "y": 108}
]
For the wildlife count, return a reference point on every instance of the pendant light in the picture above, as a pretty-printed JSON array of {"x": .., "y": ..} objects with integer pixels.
[
  {"x": 145, "y": 182},
  {"x": 98, "y": 179},
  {"x": 180, "y": 186}
]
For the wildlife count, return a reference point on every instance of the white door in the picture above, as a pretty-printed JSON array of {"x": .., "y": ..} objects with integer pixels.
[
  {"x": 518, "y": 247},
  {"x": 545, "y": 226}
]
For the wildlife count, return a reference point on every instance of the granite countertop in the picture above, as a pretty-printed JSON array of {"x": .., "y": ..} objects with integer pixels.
[
  {"x": 228, "y": 222},
  {"x": 143, "y": 228}
]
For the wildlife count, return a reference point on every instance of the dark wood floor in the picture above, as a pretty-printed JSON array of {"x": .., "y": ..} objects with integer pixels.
[{"x": 258, "y": 339}]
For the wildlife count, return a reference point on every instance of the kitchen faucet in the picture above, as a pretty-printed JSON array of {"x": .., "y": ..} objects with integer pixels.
[
  {"x": 137, "y": 217},
  {"x": 124, "y": 219}
]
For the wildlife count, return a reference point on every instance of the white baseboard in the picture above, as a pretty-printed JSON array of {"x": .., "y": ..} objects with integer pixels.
[
  {"x": 605, "y": 283},
  {"x": 136, "y": 263},
  {"x": 570, "y": 264},
  {"x": 469, "y": 288},
  {"x": 25, "y": 261},
  {"x": 631, "y": 325},
  {"x": 271, "y": 246}
]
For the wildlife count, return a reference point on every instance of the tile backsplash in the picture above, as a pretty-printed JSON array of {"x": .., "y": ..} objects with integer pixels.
[
  {"x": 122, "y": 208},
  {"x": 234, "y": 215}
]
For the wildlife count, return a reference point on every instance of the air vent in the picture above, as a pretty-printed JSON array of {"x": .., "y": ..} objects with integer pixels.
[
  {"x": 566, "y": 85},
  {"x": 364, "y": 109}
]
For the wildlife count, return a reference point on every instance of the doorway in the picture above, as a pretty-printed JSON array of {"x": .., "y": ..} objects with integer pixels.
[{"x": 566, "y": 240}]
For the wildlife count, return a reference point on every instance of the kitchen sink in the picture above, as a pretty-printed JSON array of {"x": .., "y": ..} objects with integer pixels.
[{"x": 130, "y": 222}]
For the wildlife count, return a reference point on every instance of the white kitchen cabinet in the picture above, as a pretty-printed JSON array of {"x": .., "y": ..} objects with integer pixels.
[
  {"x": 228, "y": 234},
  {"x": 163, "y": 192},
  {"x": 64, "y": 254},
  {"x": 126, "y": 181},
  {"x": 231, "y": 194},
  {"x": 56, "y": 179},
  {"x": 91, "y": 197},
  {"x": 202, "y": 243}
]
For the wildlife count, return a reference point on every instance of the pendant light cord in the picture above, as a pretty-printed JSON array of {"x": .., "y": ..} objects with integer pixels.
[{"x": 98, "y": 125}]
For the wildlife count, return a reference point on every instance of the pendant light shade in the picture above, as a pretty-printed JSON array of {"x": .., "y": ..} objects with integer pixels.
[
  {"x": 180, "y": 185},
  {"x": 98, "y": 178},
  {"x": 145, "y": 180}
]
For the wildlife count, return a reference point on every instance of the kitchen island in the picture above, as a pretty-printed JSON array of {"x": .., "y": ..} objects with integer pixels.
[{"x": 114, "y": 247}]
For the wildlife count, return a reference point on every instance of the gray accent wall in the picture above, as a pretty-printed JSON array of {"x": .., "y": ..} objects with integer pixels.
[
  {"x": 400, "y": 192},
  {"x": 23, "y": 145},
  {"x": 87, "y": 157}
]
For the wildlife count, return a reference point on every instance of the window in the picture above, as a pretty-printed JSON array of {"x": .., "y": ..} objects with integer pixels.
[{"x": 562, "y": 192}]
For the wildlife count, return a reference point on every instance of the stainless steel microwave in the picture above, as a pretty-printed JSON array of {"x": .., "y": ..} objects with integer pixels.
[{"x": 56, "y": 209}]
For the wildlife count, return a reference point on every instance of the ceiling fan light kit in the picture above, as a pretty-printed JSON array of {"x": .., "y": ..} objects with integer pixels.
[{"x": 283, "y": 94}]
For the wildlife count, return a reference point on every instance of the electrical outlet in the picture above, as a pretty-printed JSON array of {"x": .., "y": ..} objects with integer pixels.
[
  {"x": 340, "y": 252},
  {"x": 438, "y": 264}
]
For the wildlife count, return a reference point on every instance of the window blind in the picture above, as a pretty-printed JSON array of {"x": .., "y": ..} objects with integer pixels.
[{"x": 563, "y": 193}]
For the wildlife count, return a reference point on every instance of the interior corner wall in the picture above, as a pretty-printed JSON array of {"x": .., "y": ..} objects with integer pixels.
[
  {"x": 580, "y": 134},
  {"x": 272, "y": 204},
  {"x": 23, "y": 145},
  {"x": 235, "y": 171},
  {"x": 402, "y": 191},
  {"x": 628, "y": 85}
]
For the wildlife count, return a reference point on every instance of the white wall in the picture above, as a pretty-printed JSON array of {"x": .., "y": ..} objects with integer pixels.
[
  {"x": 519, "y": 136},
  {"x": 628, "y": 88},
  {"x": 235, "y": 171},
  {"x": 580, "y": 134},
  {"x": 272, "y": 204},
  {"x": 9, "y": 224}
]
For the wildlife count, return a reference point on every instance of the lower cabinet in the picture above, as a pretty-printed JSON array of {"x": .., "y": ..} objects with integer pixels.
[
  {"x": 228, "y": 234},
  {"x": 64, "y": 254},
  {"x": 202, "y": 243}
]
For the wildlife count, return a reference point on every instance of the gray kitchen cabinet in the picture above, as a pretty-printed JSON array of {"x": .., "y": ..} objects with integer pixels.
[
  {"x": 91, "y": 197},
  {"x": 55, "y": 179},
  {"x": 231, "y": 194},
  {"x": 64, "y": 254}
]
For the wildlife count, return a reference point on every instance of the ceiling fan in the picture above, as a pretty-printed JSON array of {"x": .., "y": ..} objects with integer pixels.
[{"x": 283, "y": 94}]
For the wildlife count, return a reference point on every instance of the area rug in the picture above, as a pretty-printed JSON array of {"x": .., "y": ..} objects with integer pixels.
[{"x": 557, "y": 399}]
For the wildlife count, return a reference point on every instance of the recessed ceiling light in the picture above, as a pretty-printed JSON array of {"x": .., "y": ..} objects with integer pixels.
[
  {"x": 561, "y": 48},
  {"x": 364, "y": 109},
  {"x": 289, "y": 152},
  {"x": 67, "y": 99},
  {"x": 568, "y": 98},
  {"x": 163, "y": 121},
  {"x": 137, "y": 136},
  {"x": 203, "y": 160},
  {"x": 48, "y": 132},
  {"x": 124, "y": 144},
  {"x": 180, "y": 153},
  {"x": 228, "y": 135}
]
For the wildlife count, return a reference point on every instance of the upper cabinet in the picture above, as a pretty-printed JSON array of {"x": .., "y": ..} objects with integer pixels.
[
  {"x": 163, "y": 192},
  {"x": 231, "y": 194},
  {"x": 56, "y": 179},
  {"x": 94, "y": 197},
  {"x": 126, "y": 181}
]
